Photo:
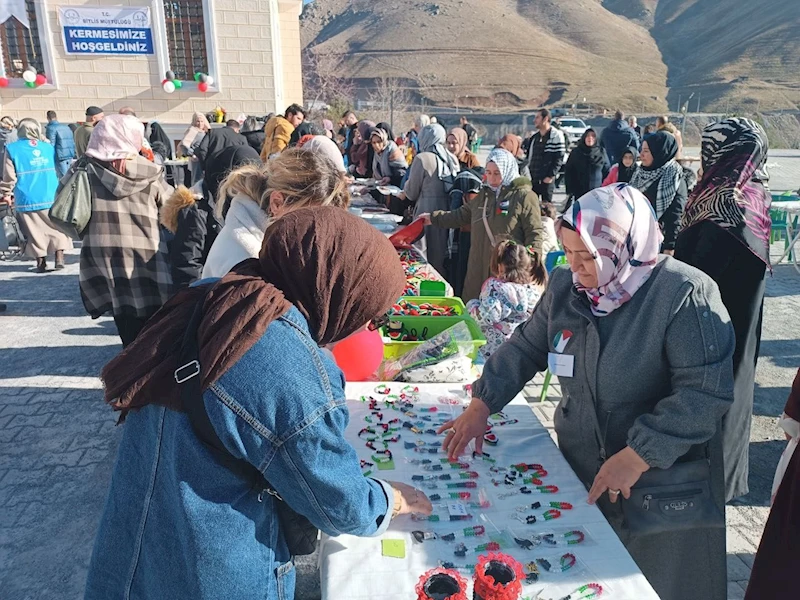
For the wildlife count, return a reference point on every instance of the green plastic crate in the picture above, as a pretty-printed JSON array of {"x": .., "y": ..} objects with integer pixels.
[
  {"x": 435, "y": 325},
  {"x": 456, "y": 303}
]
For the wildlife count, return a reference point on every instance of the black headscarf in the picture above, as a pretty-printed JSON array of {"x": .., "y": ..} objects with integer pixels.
[
  {"x": 593, "y": 155},
  {"x": 305, "y": 128},
  {"x": 624, "y": 173},
  {"x": 159, "y": 136},
  {"x": 387, "y": 128},
  {"x": 663, "y": 146}
]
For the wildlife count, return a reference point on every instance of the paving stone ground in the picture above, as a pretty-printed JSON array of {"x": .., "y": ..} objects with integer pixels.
[{"x": 58, "y": 440}]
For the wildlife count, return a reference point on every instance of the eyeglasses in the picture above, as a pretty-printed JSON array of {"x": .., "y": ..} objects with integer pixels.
[{"x": 378, "y": 322}]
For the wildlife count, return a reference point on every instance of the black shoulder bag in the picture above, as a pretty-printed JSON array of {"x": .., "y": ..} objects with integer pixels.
[
  {"x": 300, "y": 534},
  {"x": 674, "y": 499}
]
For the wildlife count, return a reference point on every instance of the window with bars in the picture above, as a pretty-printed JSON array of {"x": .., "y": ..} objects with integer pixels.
[
  {"x": 186, "y": 37},
  {"x": 21, "y": 47}
]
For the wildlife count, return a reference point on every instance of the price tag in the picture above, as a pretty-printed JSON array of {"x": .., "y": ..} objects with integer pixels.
[{"x": 457, "y": 509}]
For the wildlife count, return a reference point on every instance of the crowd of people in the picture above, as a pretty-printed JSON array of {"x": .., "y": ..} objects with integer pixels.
[{"x": 252, "y": 250}]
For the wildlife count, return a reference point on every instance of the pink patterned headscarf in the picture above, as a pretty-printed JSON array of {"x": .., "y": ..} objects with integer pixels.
[
  {"x": 617, "y": 225},
  {"x": 116, "y": 137}
]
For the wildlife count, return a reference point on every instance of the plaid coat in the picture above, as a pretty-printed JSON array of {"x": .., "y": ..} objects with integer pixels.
[{"x": 124, "y": 269}]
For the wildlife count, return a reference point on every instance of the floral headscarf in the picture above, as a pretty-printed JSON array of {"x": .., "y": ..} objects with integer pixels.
[
  {"x": 619, "y": 228},
  {"x": 728, "y": 195},
  {"x": 506, "y": 162}
]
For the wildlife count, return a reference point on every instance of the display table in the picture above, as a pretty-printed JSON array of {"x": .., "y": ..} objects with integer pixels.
[
  {"x": 353, "y": 568},
  {"x": 792, "y": 210}
]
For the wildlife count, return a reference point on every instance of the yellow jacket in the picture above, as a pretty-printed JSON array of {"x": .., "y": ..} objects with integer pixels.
[{"x": 278, "y": 131}]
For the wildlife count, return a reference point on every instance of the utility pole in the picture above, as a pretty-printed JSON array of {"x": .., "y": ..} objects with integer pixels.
[
  {"x": 680, "y": 97},
  {"x": 699, "y": 95},
  {"x": 684, "y": 110},
  {"x": 391, "y": 107}
]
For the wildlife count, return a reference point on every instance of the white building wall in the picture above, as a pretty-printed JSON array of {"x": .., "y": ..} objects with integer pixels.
[{"x": 244, "y": 58}]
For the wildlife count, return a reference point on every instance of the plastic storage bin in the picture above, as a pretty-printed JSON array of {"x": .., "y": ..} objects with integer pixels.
[
  {"x": 456, "y": 303},
  {"x": 435, "y": 325}
]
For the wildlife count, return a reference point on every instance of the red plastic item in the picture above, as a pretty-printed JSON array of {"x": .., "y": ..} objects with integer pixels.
[
  {"x": 359, "y": 355},
  {"x": 408, "y": 234}
]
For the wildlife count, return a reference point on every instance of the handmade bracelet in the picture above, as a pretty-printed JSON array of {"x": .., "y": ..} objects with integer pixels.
[
  {"x": 383, "y": 389},
  {"x": 585, "y": 592},
  {"x": 450, "y": 495},
  {"x": 566, "y": 562}
]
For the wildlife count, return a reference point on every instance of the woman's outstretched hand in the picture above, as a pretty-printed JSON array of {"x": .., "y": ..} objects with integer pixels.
[
  {"x": 411, "y": 499},
  {"x": 469, "y": 426},
  {"x": 618, "y": 475}
]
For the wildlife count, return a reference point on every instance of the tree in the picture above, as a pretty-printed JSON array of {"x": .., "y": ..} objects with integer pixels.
[
  {"x": 323, "y": 80},
  {"x": 390, "y": 96}
]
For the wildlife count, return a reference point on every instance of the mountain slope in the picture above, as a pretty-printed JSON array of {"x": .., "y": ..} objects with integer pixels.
[
  {"x": 525, "y": 53},
  {"x": 492, "y": 54}
]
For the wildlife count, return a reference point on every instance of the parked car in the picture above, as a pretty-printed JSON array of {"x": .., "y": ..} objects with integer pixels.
[{"x": 573, "y": 128}]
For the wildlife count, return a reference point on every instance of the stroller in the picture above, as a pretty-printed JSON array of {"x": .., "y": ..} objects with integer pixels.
[{"x": 12, "y": 240}]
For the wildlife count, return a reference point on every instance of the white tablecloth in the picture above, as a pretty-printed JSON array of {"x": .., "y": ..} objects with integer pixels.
[{"x": 354, "y": 568}]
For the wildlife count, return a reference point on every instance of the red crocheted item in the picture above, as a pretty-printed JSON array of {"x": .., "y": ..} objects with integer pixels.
[
  {"x": 460, "y": 581},
  {"x": 485, "y": 586}
]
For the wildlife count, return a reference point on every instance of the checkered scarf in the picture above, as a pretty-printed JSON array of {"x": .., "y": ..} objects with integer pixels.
[{"x": 668, "y": 177}]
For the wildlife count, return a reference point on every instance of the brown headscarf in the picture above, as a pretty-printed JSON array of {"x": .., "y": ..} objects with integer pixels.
[
  {"x": 512, "y": 143},
  {"x": 360, "y": 152},
  {"x": 466, "y": 158},
  {"x": 336, "y": 269}
]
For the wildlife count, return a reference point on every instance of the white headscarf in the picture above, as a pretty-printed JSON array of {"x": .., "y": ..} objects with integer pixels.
[
  {"x": 322, "y": 144},
  {"x": 506, "y": 162}
]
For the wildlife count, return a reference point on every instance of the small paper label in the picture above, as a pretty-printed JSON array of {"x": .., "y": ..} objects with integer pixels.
[
  {"x": 457, "y": 509},
  {"x": 561, "y": 365},
  {"x": 394, "y": 548}
]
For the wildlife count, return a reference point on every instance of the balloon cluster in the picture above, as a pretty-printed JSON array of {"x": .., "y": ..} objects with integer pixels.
[
  {"x": 170, "y": 84},
  {"x": 204, "y": 81},
  {"x": 30, "y": 76}
]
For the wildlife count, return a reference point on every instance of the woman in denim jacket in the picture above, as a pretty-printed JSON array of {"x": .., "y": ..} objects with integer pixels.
[{"x": 177, "y": 522}]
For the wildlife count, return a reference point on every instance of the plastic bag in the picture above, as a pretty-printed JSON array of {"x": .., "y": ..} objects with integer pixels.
[{"x": 451, "y": 343}]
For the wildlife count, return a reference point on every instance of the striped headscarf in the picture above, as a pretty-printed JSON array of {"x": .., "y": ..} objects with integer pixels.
[
  {"x": 506, "y": 162},
  {"x": 617, "y": 225},
  {"x": 730, "y": 194}
]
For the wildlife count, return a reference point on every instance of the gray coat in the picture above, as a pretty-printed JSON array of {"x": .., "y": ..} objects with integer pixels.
[
  {"x": 426, "y": 190},
  {"x": 658, "y": 374}
]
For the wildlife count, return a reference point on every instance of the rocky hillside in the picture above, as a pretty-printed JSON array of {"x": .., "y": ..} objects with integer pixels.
[{"x": 637, "y": 54}]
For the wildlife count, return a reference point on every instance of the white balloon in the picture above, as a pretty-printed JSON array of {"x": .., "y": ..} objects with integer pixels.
[
  {"x": 169, "y": 87},
  {"x": 210, "y": 81},
  {"x": 29, "y": 75}
]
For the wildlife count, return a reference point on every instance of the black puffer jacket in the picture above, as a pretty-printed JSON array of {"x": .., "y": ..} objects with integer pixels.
[
  {"x": 194, "y": 226},
  {"x": 255, "y": 139}
]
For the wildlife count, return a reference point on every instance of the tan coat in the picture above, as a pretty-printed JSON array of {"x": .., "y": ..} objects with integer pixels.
[
  {"x": 278, "y": 131},
  {"x": 521, "y": 222}
]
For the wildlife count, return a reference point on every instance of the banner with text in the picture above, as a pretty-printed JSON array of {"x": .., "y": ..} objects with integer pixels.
[{"x": 106, "y": 30}]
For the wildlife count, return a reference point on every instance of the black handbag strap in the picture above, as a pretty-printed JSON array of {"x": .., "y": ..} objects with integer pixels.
[{"x": 188, "y": 378}]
